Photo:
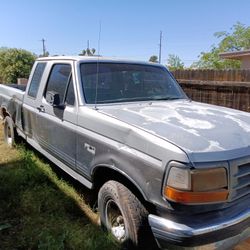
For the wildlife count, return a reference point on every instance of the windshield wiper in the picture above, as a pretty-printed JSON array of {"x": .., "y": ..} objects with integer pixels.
[
  {"x": 131, "y": 99},
  {"x": 167, "y": 98},
  {"x": 141, "y": 98}
]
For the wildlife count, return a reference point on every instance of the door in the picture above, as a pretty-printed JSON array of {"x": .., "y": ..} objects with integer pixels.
[
  {"x": 31, "y": 100},
  {"x": 57, "y": 124}
]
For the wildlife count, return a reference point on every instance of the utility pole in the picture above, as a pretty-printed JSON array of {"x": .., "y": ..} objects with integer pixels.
[
  {"x": 160, "y": 47},
  {"x": 44, "y": 49}
]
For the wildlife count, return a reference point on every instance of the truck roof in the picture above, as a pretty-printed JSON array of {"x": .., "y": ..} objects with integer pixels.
[{"x": 95, "y": 59}]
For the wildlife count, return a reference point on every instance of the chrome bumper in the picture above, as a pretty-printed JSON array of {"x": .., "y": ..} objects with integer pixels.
[{"x": 217, "y": 233}]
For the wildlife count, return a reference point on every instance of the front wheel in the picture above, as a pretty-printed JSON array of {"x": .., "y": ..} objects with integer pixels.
[
  {"x": 124, "y": 216},
  {"x": 9, "y": 133}
]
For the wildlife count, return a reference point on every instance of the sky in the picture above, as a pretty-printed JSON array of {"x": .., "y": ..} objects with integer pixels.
[{"x": 129, "y": 28}]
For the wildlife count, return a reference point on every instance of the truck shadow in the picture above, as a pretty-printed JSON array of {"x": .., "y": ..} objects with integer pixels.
[
  {"x": 42, "y": 207},
  {"x": 90, "y": 196}
]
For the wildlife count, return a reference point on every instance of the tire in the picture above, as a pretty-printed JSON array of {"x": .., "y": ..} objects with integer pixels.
[
  {"x": 9, "y": 132},
  {"x": 124, "y": 216}
]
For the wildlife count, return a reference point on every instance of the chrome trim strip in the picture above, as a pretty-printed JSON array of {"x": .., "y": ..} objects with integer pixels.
[
  {"x": 167, "y": 226},
  {"x": 54, "y": 150}
]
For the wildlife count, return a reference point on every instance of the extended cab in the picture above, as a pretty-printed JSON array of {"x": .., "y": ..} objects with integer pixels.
[{"x": 161, "y": 163}]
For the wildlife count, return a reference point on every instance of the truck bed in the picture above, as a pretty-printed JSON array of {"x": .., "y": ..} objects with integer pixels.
[
  {"x": 11, "y": 97},
  {"x": 16, "y": 86}
]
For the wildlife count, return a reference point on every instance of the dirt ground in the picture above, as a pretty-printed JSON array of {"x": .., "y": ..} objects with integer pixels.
[
  {"x": 244, "y": 245},
  {"x": 7, "y": 155}
]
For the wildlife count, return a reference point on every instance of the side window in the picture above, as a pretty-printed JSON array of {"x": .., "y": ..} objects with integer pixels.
[
  {"x": 70, "y": 96},
  {"x": 36, "y": 79},
  {"x": 58, "y": 80}
]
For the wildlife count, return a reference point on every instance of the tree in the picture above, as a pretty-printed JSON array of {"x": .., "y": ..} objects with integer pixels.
[
  {"x": 174, "y": 62},
  {"x": 88, "y": 52},
  {"x": 15, "y": 63},
  {"x": 236, "y": 40},
  {"x": 153, "y": 58}
]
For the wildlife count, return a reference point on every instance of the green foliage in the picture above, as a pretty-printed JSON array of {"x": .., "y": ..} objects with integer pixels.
[
  {"x": 15, "y": 63},
  {"x": 174, "y": 62},
  {"x": 153, "y": 58},
  {"x": 39, "y": 210},
  {"x": 236, "y": 40}
]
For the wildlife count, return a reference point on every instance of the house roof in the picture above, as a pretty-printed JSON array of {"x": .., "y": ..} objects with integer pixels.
[{"x": 237, "y": 55}]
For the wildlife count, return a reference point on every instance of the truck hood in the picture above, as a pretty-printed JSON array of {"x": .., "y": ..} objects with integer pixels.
[{"x": 194, "y": 127}]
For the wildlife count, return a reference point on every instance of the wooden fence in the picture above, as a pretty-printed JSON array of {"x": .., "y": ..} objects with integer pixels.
[
  {"x": 229, "y": 88},
  {"x": 214, "y": 75}
]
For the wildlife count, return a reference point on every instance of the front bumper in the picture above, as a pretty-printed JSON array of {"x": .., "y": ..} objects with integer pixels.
[{"x": 202, "y": 232}]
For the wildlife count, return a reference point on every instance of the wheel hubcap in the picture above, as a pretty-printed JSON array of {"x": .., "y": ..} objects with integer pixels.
[{"x": 115, "y": 221}]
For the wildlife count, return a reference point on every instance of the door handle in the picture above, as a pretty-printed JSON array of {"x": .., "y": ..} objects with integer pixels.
[
  {"x": 89, "y": 148},
  {"x": 41, "y": 109}
]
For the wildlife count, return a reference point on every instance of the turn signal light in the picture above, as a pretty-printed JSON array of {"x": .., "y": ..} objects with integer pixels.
[{"x": 195, "y": 197}]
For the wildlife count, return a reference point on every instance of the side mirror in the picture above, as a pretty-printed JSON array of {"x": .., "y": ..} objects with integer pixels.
[{"x": 53, "y": 98}]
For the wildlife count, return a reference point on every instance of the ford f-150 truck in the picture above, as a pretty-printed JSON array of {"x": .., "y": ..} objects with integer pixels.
[{"x": 162, "y": 164}]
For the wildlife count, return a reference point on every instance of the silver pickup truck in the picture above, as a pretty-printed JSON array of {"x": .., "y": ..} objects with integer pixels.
[{"x": 162, "y": 164}]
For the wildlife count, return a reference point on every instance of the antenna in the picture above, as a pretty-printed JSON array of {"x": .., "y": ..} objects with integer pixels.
[
  {"x": 97, "y": 64},
  {"x": 160, "y": 47}
]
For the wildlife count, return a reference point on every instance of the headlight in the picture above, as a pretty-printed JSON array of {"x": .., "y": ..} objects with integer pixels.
[{"x": 196, "y": 186}]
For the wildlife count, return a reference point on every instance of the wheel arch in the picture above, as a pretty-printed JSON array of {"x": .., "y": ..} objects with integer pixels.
[
  {"x": 104, "y": 173},
  {"x": 4, "y": 112}
]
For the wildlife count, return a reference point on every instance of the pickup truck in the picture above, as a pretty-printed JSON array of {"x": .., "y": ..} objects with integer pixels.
[{"x": 167, "y": 169}]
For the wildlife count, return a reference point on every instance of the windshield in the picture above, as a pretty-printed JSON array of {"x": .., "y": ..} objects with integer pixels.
[{"x": 123, "y": 82}]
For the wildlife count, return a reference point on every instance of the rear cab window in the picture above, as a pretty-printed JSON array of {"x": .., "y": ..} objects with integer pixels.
[{"x": 36, "y": 79}]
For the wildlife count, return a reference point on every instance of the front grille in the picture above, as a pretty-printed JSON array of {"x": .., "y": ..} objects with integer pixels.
[{"x": 240, "y": 173}]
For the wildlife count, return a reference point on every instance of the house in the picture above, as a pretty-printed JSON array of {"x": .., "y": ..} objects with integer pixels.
[{"x": 243, "y": 56}]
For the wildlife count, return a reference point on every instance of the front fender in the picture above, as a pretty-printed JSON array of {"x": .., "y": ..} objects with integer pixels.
[{"x": 145, "y": 172}]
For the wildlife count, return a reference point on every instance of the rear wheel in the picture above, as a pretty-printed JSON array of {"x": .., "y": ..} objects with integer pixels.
[
  {"x": 124, "y": 216},
  {"x": 9, "y": 133}
]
